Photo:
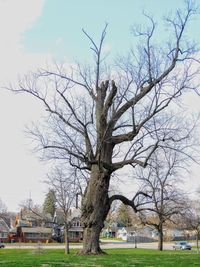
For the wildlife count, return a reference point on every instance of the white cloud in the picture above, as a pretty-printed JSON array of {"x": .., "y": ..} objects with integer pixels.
[
  {"x": 15, "y": 18},
  {"x": 20, "y": 172},
  {"x": 18, "y": 16}
]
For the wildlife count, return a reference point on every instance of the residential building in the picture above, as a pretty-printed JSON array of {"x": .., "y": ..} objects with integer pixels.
[{"x": 4, "y": 231}]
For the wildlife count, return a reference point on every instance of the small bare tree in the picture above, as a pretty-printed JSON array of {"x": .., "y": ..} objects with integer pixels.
[
  {"x": 102, "y": 119},
  {"x": 65, "y": 188},
  {"x": 31, "y": 209},
  {"x": 192, "y": 219},
  {"x": 160, "y": 182},
  {"x": 3, "y": 208}
]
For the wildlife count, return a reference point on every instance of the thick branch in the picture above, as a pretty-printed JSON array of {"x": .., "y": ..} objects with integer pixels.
[
  {"x": 121, "y": 164},
  {"x": 123, "y": 199},
  {"x": 109, "y": 100}
]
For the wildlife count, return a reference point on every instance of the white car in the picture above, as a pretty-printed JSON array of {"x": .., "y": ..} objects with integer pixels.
[{"x": 183, "y": 245}]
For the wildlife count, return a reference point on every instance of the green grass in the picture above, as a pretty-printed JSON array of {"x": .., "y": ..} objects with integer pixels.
[
  {"x": 114, "y": 258},
  {"x": 17, "y": 244}
]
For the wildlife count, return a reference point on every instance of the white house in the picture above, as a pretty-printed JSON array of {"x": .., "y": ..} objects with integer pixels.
[
  {"x": 125, "y": 232},
  {"x": 4, "y": 231}
]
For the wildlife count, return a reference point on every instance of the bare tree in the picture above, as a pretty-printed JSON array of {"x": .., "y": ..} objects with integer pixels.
[
  {"x": 160, "y": 182},
  {"x": 101, "y": 119},
  {"x": 3, "y": 208},
  {"x": 31, "y": 209},
  {"x": 192, "y": 219},
  {"x": 65, "y": 189}
]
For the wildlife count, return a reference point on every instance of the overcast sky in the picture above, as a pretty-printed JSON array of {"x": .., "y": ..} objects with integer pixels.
[{"x": 35, "y": 32}]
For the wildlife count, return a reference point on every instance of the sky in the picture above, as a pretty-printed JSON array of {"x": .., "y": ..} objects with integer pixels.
[{"x": 36, "y": 32}]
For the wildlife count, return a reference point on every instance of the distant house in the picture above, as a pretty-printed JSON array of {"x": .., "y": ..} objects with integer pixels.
[
  {"x": 4, "y": 231},
  {"x": 34, "y": 234},
  {"x": 75, "y": 231},
  {"x": 109, "y": 232},
  {"x": 75, "y": 234},
  {"x": 133, "y": 234},
  {"x": 25, "y": 228},
  {"x": 110, "y": 229},
  {"x": 125, "y": 232},
  {"x": 176, "y": 234},
  {"x": 29, "y": 228},
  {"x": 149, "y": 231}
]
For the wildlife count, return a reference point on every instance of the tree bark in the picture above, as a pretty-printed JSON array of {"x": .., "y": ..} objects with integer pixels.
[
  {"x": 66, "y": 239},
  {"x": 160, "y": 238},
  {"x": 95, "y": 207}
]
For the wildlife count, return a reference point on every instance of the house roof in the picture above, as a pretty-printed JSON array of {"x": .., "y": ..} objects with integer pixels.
[
  {"x": 36, "y": 230},
  {"x": 3, "y": 226},
  {"x": 74, "y": 215},
  {"x": 22, "y": 223},
  {"x": 130, "y": 229}
]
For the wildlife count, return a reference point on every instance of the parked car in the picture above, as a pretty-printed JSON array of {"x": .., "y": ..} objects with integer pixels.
[
  {"x": 2, "y": 245},
  {"x": 182, "y": 245}
]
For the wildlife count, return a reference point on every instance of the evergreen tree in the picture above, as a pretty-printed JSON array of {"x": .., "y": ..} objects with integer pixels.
[
  {"x": 124, "y": 215},
  {"x": 49, "y": 205}
]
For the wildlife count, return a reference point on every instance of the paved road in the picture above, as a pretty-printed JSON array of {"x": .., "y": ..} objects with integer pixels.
[{"x": 104, "y": 245}]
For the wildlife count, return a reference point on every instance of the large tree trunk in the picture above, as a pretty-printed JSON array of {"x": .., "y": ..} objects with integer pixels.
[
  {"x": 95, "y": 207},
  {"x": 160, "y": 238}
]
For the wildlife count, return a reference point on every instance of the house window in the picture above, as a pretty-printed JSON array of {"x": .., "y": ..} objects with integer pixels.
[
  {"x": 76, "y": 223},
  {"x": 3, "y": 235}
]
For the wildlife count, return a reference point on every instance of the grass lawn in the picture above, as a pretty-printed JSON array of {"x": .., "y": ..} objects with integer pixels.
[
  {"x": 114, "y": 257},
  {"x": 17, "y": 244}
]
